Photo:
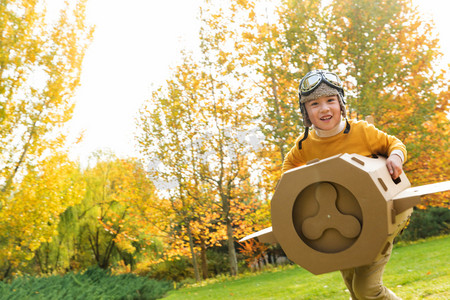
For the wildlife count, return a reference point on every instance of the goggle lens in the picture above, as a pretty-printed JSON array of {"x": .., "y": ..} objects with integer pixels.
[
  {"x": 310, "y": 82},
  {"x": 332, "y": 78}
]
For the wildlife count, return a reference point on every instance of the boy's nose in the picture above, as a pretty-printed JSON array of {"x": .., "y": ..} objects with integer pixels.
[{"x": 324, "y": 107}]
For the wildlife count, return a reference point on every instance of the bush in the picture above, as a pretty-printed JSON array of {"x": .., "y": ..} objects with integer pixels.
[
  {"x": 429, "y": 222},
  {"x": 95, "y": 283},
  {"x": 175, "y": 270},
  {"x": 217, "y": 262}
]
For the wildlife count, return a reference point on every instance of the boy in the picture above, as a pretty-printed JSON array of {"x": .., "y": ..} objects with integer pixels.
[{"x": 321, "y": 97}]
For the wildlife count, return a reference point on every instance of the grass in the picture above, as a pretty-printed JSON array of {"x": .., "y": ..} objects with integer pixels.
[{"x": 419, "y": 270}]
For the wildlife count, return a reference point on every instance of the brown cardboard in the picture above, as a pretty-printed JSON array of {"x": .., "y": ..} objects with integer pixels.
[{"x": 340, "y": 212}]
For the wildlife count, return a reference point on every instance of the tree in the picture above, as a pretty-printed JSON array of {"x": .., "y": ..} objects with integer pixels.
[
  {"x": 171, "y": 129},
  {"x": 284, "y": 41},
  {"x": 195, "y": 136},
  {"x": 388, "y": 53},
  {"x": 139, "y": 236},
  {"x": 109, "y": 220},
  {"x": 110, "y": 224},
  {"x": 40, "y": 66},
  {"x": 229, "y": 109},
  {"x": 31, "y": 217}
]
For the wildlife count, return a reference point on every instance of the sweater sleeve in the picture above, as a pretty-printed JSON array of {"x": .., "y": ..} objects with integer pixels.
[
  {"x": 293, "y": 159},
  {"x": 383, "y": 143}
]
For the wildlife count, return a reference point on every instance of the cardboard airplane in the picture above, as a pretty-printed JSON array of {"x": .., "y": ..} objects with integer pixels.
[{"x": 340, "y": 212}]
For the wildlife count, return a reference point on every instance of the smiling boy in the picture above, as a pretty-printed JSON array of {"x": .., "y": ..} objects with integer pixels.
[{"x": 322, "y": 104}]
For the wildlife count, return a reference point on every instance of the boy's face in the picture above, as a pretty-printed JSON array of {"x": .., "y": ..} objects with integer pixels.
[{"x": 324, "y": 112}]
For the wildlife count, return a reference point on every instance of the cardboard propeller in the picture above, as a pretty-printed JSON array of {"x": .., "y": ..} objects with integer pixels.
[{"x": 340, "y": 212}]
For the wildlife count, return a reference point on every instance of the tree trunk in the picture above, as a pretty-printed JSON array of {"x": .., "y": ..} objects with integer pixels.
[
  {"x": 7, "y": 272},
  {"x": 194, "y": 259},
  {"x": 231, "y": 250},
  {"x": 230, "y": 239},
  {"x": 21, "y": 160},
  {"x": 204, "y": 260}
]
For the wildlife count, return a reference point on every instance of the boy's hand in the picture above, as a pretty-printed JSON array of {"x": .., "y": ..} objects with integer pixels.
[{"x": 395, "y": 165}]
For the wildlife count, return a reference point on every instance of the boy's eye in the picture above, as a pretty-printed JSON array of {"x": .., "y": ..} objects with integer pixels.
[{"x": 331, "y": 100}]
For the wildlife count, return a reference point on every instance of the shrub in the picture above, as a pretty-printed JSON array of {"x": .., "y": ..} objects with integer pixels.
[
  {"x": 93, "y": 284},
  {"x": 217, "y": 262},
  {"x": 429, "y": 222},
  {"x": 174, "y": 270}
]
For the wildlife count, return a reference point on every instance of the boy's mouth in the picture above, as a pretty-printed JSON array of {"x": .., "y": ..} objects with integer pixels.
[{"x": 326, "y": 118}]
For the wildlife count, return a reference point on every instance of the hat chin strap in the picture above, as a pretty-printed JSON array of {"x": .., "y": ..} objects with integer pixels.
[
  {"x": 347, "y": 126},
  {"x": 305, "y": 136}
]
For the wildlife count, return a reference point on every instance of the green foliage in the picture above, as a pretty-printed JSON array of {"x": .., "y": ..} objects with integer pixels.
[
  {"x": 95, "y": 283},
  {"x": 217, "y": 261},
  {"x": 106, "y": 227},
  {"x": 429, "y": 222},
  {"x": 174, "y": 270}
]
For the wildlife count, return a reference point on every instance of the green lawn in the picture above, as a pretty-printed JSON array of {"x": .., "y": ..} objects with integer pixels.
[{"x": 416, "y": 271}]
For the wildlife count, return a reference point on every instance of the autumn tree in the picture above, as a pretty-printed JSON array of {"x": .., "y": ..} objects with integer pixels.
[
  {"x": 139, "y": 238},
  {"x": 385, "y": 51},
  {"x": 199, "y": 133},
  {"x": 171, "y": 132},
  {"x": 40, "y": 66},
  {"x": 111, "y": 224},
  {"x": 30, "y": 218},
  {"x": 284, "y": 42},
  {"x": 108, "y": 222},
  {"x": 229, "y": 107},
  {"x": 388, "y": 54}
]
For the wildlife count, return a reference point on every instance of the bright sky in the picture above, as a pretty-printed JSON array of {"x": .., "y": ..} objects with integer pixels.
[{"x": 136, "y": 42}]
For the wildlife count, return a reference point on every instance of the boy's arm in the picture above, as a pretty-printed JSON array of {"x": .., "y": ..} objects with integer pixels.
[
  {"x": 382, "y": 143},
  {"x": 292, "y": 160},
  {"x": 391, "y": 146}
]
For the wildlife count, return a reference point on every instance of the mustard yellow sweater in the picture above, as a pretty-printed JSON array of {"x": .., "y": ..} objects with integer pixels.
[{"x": 363, "y": 138}]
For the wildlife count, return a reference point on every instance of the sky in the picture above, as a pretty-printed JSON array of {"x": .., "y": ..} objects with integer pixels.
[{"x": 136, "y": 42}]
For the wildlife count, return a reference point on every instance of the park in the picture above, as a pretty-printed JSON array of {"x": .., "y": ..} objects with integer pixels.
[{"x": 209, "y": 140}]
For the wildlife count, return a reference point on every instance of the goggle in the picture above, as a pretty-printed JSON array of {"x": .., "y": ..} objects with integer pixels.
[{"x": 314, "y": 78}]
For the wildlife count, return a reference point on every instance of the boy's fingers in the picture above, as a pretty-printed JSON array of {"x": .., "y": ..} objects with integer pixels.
[
  {"x": 390, "y": 168},
  {"x": 394, "y": 169},
  {"x": 395, "y": 175},
  {"x": 393, "y": 172}
]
